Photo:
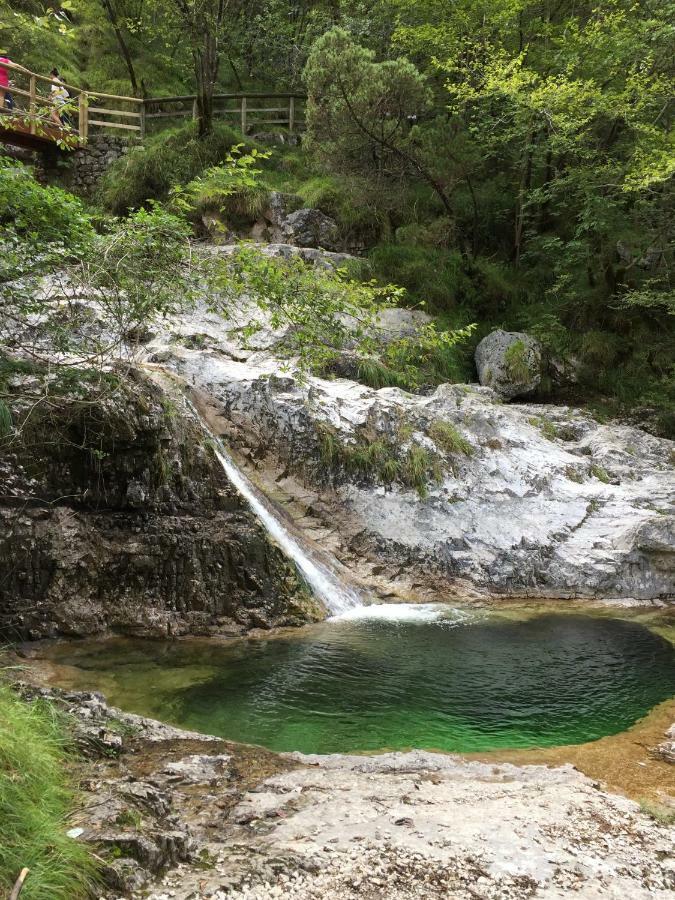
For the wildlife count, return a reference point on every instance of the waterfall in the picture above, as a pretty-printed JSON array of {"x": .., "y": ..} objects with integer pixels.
[{"x": 325, "y": 583}]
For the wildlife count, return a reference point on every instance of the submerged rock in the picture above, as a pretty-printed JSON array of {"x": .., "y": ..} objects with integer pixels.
[{"x": 509, "y": 362}]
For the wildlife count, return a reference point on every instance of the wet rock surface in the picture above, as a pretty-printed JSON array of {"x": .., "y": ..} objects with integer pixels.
[
  {"x": 115, "y": 515},
  {"x": 179, "y": 815}
]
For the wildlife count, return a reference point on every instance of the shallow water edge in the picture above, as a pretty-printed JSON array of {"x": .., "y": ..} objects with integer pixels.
[{"x": 623, "y": 761}]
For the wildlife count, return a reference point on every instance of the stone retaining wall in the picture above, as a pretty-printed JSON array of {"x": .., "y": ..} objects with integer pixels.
[{"x": 90, "y": 162}]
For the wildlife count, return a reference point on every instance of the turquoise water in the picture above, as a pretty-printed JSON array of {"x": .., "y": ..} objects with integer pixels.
[{"x": 469, "y": 685}]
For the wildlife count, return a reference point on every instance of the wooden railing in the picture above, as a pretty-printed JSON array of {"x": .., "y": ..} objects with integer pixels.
[
  {"x": 88, "y": 111},
  {"x": 33, "y": 107},
  {"x": 246, "y": 110}
]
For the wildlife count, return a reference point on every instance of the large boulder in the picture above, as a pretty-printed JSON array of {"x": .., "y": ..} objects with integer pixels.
[
  {"x": 310, "y": 228},
  {"x": 509, "y": 362},
  {"x": 279, "y": 206}
]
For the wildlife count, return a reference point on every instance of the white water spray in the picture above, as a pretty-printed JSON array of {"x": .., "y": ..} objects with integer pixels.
[{"x": 336, "y": 595}]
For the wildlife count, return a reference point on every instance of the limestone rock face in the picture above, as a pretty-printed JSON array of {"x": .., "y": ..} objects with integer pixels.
[
  {"x": 318, "y": 259},
  {"x": 509, "y": 362},
  {"x": 115, "y": 517},
  {"x": 310, "y": 228},
  {"x": 540, "y": 499}
]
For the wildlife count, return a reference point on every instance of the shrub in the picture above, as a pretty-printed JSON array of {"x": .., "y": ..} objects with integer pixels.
[
  {"x": 36, "y": 799},
  {"x": 148, "y": 172},
  {"x": 40, "y": 214},
  {"x": 232, "y": 189}
]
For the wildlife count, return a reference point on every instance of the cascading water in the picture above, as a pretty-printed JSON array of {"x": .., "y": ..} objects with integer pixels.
[{"x": 327, "y": 586}]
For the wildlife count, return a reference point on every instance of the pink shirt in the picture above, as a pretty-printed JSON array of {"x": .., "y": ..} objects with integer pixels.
[{"x": 4, "y": 74}]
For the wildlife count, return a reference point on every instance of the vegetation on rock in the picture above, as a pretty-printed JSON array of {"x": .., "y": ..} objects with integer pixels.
[{"x": 36, "y": 801}]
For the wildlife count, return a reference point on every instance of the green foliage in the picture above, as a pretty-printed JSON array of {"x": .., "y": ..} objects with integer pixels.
[
  {"x": 148, "y": 172},
  {"x": 449, "y": 438},
  {"x": 664, "y": 815},
  {"x": 516, "y": 363},
  {"x": 129, "y": 818},
  {"x": 600, "y": 473},
  {"x": 376, "y": 374},
  {"x": 6, "y": 420},
  {"x": 361, "y": 209},
  {"x": 36, "y": 800},
  {"x": 39, "y": 214},
  {"x": 360, "y": 112},
  {"x": 233, "y": 188},
  {"x": 380, "y": 460},
  {"x": 419, "y": 468},
  {"x": 433, "y": 276},
  {"x": 134, "y": 269},
  {"x": 547, "y": 427},
  {"x": 324, "y": 310}
]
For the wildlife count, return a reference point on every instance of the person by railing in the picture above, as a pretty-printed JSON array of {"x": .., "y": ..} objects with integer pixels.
[{"x": 60, "y": 97}]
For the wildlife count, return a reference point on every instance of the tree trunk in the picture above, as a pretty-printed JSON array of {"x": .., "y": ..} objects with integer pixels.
[
  {"x": 525, "y": 182},
  {"x": 111, "y": 13}
]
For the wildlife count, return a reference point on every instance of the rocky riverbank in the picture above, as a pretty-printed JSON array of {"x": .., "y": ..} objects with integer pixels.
[{"x": 180, "y": 815}]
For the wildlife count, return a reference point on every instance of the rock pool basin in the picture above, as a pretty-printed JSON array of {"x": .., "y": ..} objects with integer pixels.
[{"x": 393, "y": 677}]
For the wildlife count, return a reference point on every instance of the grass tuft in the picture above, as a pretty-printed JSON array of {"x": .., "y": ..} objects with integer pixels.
[
  {"x": 380, "y": 460},
  {"x": 600, "y": 473},
  {"x": 419, "y": 468},
  {"x": 664, "y": 815},
  {"x": 516, "y": 364},
  {"x": 36, "y": 800},
  {"x": 449, "y": 438}
]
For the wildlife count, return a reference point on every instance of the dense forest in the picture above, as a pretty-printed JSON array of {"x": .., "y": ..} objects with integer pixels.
[{"x": 508, "y": 164}]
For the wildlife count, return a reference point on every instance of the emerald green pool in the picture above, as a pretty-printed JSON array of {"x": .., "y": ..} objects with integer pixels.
[{"x": 455, "y": 682}]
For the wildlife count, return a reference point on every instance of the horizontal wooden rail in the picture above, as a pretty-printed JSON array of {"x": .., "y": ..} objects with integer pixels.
[
  {"x": 115, "y": 112},
  {"x": 93, "y": 109}
]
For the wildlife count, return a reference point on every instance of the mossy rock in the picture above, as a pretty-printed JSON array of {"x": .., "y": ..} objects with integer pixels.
[{"x": 510, "y": 362}]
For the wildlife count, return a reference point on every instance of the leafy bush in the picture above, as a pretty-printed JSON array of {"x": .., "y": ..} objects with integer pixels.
[
  {"x": 323, "y": 310},
  {"x": 149, "y": 171},
  {"x": 40, "y": 214},
  {"x": 36, "y": 799},
  {"x": 233, "y": 188}
]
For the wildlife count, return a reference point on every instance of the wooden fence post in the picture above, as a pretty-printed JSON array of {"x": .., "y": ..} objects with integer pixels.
[
  {"x": 195, "y": 110},
  {"x": 291, "y": 114},
  {"x": 243, "y": 115},
  {"x": 141, "y": 121},
  {"x": 83, "y": 117},
  {"x": 32, "y": 104}
]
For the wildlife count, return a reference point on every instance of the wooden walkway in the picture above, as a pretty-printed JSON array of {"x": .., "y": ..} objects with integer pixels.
[{"x": 29, "y": 124}]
